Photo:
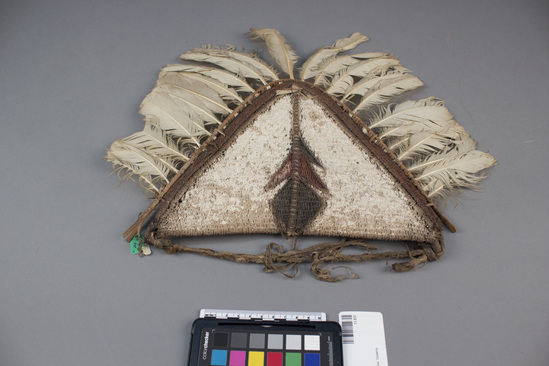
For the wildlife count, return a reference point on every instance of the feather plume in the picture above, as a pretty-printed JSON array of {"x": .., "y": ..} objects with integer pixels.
[
  {"x": 410, "y": 113},
  {"x": 176, "y": 84},
  {"x": 225, "y": 77},
  {"x": 158, "y": 143},
  {"x": 153, "y": 174},
  {"x": 424, "y": 143},
  {"x": 463, "y": 171},
  {"x": 173, "y": 118},
  {"x": 244, "y": 65},
  {"x": 463, "y": 146},
  {"x": 311, "y": 67},
  {"x": 344, "y": 79},
  {"x": 281, "y": 51},
  {"x": 327, "y": 70},
  {"x": 365, "y": 84},
  {"x": 224, "y": 91},
  {"x": 384, "y": 90}
]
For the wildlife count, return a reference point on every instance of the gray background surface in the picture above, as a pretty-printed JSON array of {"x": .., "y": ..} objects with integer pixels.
[{"x": 72, "y": 76}]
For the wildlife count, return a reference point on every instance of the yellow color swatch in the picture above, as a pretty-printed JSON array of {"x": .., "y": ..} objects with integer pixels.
[{"x": 256, "y": 358}]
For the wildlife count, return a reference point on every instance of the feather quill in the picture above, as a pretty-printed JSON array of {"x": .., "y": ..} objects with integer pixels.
[
  {"x": 244, "y": 65},
  {"x": 460, "y": 171},
  {"x": 465, "y": 145},
  {"x": 172, "y": 117},
  {"x": 409, "y": 113},
  {"x": 225, "y": 77},
  {"x": 151, "y": 171},
  {"x": 278, "y": 47},
  {"x": 177, "y": 84},
  {"x": 336, "y": 64},
  {"x": 224, "y": 91},
  {"x": 158, "y": 143},
  {"x": 365, "y": 84},
  {"x": 424, "y": 143},
  {"x": 384, "y": 90},
  {"x": 311, "y": 67},
  {"x": 344, "y": 79}
]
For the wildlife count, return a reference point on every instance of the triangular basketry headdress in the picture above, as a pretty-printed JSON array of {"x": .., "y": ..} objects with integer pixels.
[{"x": 231, "y": 148}]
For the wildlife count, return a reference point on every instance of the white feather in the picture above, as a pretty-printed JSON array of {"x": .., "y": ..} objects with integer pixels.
[
  {"x": 410, "y": 112},
  {"x": 311, "y": 67},
  {"x": 365, "y": 84},
  {"x": 385, "y": 90},
  {"x": 333, "y": 65},
  {"x": 150, "y": 170},
  {"x": 157, "y": 142},
  {"x": 191, "y": 90},
  {"x": 172, "y": 117},
  {"x": 224, "y": 91},
  {"x": 244, "y": 65},
  {"x": 279, "y": 48},
  {"x": 465, "y": 145},
  {"x": 424, "y": 143},
  {"x": 344, "y": 79},
  {"x": 463, "y": 171},
  {"x": 225, "y": 77}
]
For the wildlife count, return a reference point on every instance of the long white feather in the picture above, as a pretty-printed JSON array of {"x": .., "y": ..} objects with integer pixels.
[
  {"x": 463, "y": 171},
  {"x": 424, "y": 143},
  {"x": 225, "y": 77},
  {"x": 311, "y": 67},
  {"x": 224, "y": 91},
  {"x": 429, "y": 125},
  {"x": 157, "y": 142},
  {"x": 327, "y": 70},
  {"x": 465, "y": 145},
  {"x": 344, "y": 79},
  {"x": 245, "y": 65},
  {"x": 410, "y": 112},
  {"x": 279, "y": 48},
  {"x": 385, "y": 90},
  {"x": 365, "y": 84},
  {"x": 151, "y": 170},
  {"x": 177, "y": 84},
  {"x": 172, "y": 117}
]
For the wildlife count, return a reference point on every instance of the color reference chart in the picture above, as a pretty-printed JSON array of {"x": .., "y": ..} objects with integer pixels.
[{"x": 236, "y": 347}]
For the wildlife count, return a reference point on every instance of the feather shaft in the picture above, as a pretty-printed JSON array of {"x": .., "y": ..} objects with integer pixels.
[
  {"x": 387, "y": 89},
  {"x": 411, "y": 112},
  {"x": 311, "y": 66},
  {"x": 172, "y": 117},
  {"x": 344, "y": 79},
  {"x": 241, "y": 64},
  {"x": 333, "y": 65},
  {"x": 279, "y": 48},
  {"x": 158, "y": 142},
  {"x": 223, "y": 90},
  {"x": 220, "y": 75}
]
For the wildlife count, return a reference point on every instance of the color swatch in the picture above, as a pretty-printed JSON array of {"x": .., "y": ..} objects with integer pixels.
[{"x": 253, "y": 348}]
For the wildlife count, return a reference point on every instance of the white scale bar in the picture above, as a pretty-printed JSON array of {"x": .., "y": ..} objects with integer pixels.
[{"x": 263, "y": 315}]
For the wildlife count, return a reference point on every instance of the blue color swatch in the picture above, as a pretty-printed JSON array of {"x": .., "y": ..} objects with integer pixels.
[
  {"x": 219, "y": 357},
  {"x": 312, "y": 359}
]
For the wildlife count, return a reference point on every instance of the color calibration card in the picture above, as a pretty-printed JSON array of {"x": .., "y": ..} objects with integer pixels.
[
  {"x": 260, "y": 343},
  {"x": 363, "y": 338}
]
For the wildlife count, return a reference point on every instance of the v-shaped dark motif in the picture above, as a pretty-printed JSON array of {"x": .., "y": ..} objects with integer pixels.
[{"x": 297, "y": 203}]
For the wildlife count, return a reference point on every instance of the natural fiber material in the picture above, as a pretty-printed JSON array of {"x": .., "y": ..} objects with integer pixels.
[
  {"x": 275, "y": 259},
  {"x": 230, "y": 148},
  {"x": 230, "y": 195},
  {"x": 232, "y": 187}
]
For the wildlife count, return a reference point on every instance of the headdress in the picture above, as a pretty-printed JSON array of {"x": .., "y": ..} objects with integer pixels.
[{"x": 231, "y": 147}]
